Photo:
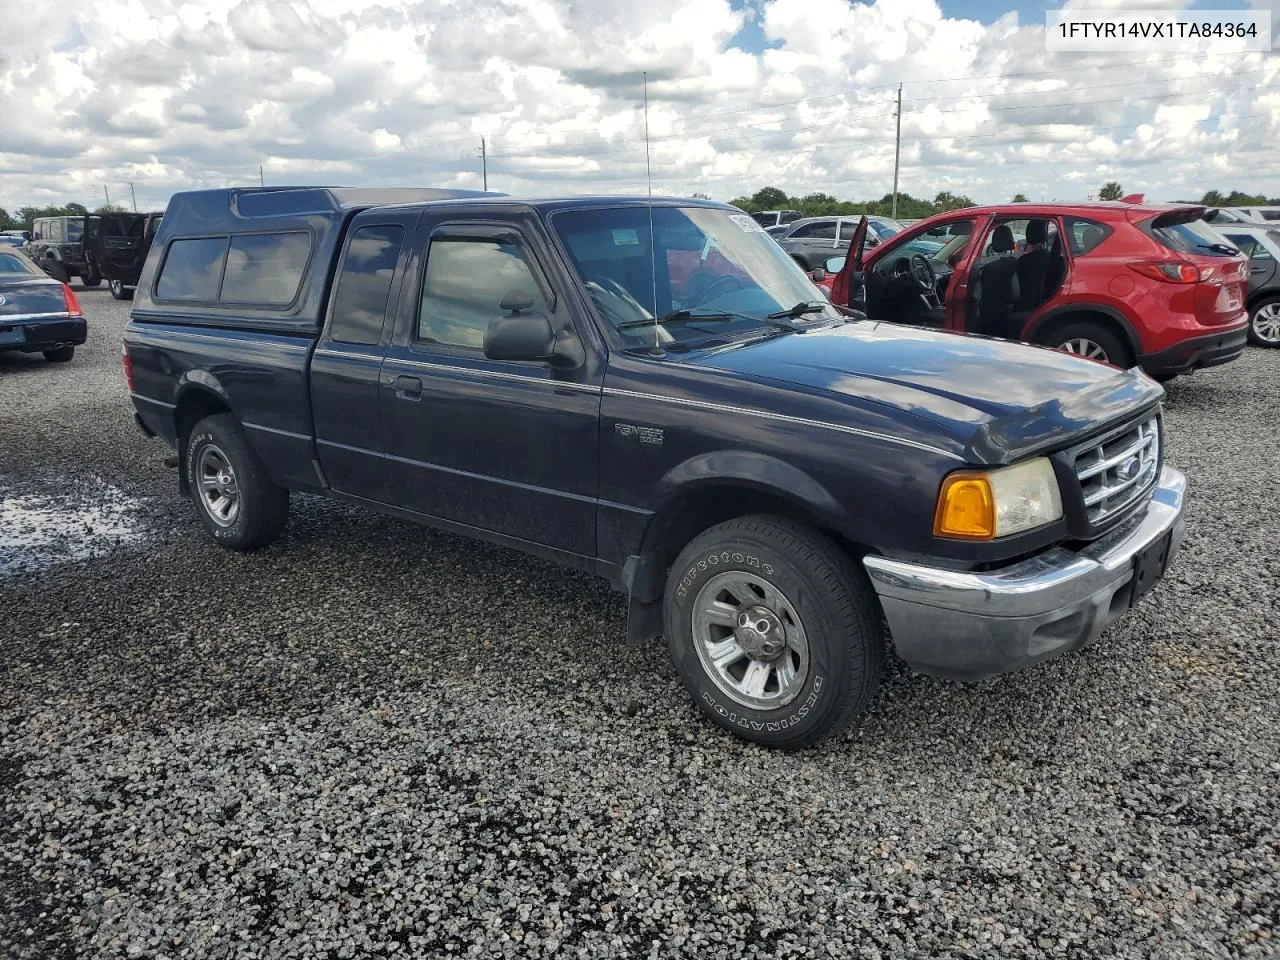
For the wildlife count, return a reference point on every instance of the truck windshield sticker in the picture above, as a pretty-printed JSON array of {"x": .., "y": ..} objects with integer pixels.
[
  {"x": 745, "y": 223},
  {"x": 625, "y": 238}
]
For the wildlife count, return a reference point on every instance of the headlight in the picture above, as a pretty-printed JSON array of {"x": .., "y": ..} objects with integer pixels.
[{"x": 986, "y": 504}]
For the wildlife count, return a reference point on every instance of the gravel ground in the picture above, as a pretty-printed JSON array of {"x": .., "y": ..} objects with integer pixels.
[{"x": 373, "y": 739}]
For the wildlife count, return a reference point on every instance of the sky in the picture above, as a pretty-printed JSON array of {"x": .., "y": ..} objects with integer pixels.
[{"x": 169, "y": 95}]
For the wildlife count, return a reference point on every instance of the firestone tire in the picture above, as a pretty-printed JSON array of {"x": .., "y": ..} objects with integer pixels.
[
  {"x": 234, "y": 497},
  {"x": 765, "y": 580}
]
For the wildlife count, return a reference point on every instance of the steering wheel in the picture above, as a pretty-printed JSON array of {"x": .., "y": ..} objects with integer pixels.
[
  {"x": 705, "y": 294},
  {"x": 924, "y": 275},
  {"x": 926, "y": 278}
]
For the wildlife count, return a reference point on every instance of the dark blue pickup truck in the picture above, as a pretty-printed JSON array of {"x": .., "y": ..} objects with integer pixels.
[{"x": 652, "y": 390}]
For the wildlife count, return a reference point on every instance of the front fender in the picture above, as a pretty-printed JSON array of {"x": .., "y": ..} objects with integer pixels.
[{"x": 744, "y": 468}]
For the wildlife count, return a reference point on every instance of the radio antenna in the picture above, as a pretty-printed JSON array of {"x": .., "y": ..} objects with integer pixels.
[{"x": 653, "y": 244}]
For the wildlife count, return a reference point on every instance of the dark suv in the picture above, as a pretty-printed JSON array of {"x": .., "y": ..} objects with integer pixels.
[
  {"x": 57, "y": 246},
  {"x": 116, "y": 246}
]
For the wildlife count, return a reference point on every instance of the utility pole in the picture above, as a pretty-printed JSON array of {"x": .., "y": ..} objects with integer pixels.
[
  {"x": 133, "y": 194},
  {"x": 261, "y": 182},
  {"x": 897, "y": 153},
  {"x": 106, "y": 194},
  {"x": 484, "y": 164}
]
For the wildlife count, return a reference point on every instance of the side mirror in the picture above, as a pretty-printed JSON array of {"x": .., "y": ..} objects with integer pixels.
[
  {"x": 817, "y": 276},
  {"x": 528, "y": 336},
  {"x": 519, "y": 336}
]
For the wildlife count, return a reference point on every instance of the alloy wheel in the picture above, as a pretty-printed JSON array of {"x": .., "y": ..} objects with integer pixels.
[
  {"x": 750, "y": 640},
  {"x": 1083, "y": 347},
  {"x": 1266, "y": 323},
  {"x": 219, "y": 489}
]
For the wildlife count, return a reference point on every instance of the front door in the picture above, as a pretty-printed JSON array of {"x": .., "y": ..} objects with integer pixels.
[{"x": 500, "y": 446}]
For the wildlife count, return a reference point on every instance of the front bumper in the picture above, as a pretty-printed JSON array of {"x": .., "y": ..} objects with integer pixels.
[
  {"x": 1196, "y": 353},
  {"x": 969, "y": 626},
  {"x": 32, "y": 335}
]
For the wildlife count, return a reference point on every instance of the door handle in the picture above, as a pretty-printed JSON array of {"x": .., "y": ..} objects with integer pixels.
[{"x": 408, "y": 388}]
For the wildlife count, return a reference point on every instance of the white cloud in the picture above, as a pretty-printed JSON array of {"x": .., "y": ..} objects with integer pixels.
[{"x": 177, "y": 94}]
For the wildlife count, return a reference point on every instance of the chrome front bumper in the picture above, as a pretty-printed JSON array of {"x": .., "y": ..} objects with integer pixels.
[{"x": 967, "y": 626}]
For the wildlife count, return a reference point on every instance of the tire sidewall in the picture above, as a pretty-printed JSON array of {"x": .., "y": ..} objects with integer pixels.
[
  {"x": 236, "y": 533},
  {"x": 829, "y": 664}
]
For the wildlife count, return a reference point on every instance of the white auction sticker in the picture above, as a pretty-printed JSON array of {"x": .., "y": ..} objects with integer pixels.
[
  {"x": 746, "y": 223},
  {"x": 1145, "y": 31},
  {"x": 625, "y": 238}
]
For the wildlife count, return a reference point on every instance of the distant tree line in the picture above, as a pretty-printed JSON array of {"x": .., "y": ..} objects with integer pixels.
[
  {"x": 823, "y": 204},
  {"x": 26, "y": 216},
  {"x": 914, "y": 208}
]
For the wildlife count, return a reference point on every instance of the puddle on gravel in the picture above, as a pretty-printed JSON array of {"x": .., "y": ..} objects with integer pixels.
[{"x": 39, "y": 530}]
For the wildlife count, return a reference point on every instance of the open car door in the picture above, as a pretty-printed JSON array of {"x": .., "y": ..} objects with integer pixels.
[
  {"x": 848, "y": 289},
  {"x": 120, "y": 244}
]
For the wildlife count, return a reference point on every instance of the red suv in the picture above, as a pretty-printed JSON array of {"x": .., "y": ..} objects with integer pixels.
[{"x": 1125, "y": 283}]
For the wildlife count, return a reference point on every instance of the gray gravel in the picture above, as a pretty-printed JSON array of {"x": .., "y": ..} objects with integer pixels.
[{"x": 373, "y": 739}]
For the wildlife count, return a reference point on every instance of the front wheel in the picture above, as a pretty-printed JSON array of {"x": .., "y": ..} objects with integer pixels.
[
  {"x": 235, "y": 498},
  {"x": 774, "y": 631},
  {"x": 119, "y": 291},
  {"x": 1264, "y": 323},
  {"x": 1093, "y": 342}
]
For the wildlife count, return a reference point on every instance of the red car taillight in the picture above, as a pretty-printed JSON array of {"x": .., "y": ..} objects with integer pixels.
[
  {"x": 128, "y": 366},
  {"x": 1170, "y": 271},
  {"x": 69, "y": 298}
]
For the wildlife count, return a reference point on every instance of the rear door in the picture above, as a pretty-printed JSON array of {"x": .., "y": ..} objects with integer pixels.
[
  {"x": 347, "y": 360},
  {"x": 500, "y": 446}
]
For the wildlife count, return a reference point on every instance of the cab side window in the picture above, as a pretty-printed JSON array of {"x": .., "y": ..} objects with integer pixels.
[
  {"x": 465, "y": 283},
  {"x": 360, "y": 303}
]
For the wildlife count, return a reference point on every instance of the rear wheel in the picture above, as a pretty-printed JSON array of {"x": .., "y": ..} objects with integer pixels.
[
  {"x": 234, "y": 497},
  {"x": 61, "y": 355},
  {"x": 1264, "y": 323},
  {"x": 119, "y": 290},
  {"x": 1092, "y": 341},
  {"x": 774, "y": 631}
]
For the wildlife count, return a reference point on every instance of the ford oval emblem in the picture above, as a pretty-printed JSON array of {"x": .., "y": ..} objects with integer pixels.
[
  {"x": 2, "y": 300},
  {"x": 1129, "y": 469}
]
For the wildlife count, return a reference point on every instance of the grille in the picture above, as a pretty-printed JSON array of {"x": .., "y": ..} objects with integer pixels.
[{"x": 1118, "y": 471}]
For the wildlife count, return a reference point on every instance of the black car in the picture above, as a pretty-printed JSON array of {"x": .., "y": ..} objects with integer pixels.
[
  {"x": 116, "y": 246},
  {"x": 812, "y": 241},
  {"x": 1261, "y": 244},
  {"x": 37, "y": 313},
  {"x": 57, "y": 245}
]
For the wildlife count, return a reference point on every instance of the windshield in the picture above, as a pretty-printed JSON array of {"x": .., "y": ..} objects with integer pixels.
[
  {"x": 707, "y": 261},
  {"x": 884, "y": 228}
]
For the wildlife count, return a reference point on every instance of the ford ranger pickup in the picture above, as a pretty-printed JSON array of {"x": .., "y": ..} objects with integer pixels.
[{"x": 653, "y": 391}]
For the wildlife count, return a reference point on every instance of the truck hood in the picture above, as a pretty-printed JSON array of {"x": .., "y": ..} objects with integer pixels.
[{"x": 1001, "y": 401}]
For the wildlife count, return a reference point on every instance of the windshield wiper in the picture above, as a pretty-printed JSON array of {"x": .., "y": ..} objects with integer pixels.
[
  {"x": 799, "y": 310},
  {"x": 690, "y": 318},
  {"x": 1218, "y": 248}
]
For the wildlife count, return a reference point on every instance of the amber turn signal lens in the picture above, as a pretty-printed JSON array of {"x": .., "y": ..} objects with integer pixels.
[{"x": 966, "y": 508}]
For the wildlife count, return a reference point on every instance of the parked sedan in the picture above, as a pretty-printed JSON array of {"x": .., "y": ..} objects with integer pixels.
[
  {"x": 1261, "y": 244},
  {"x": 814, "y": 240},
  {"x": 37, "y": 313}
]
